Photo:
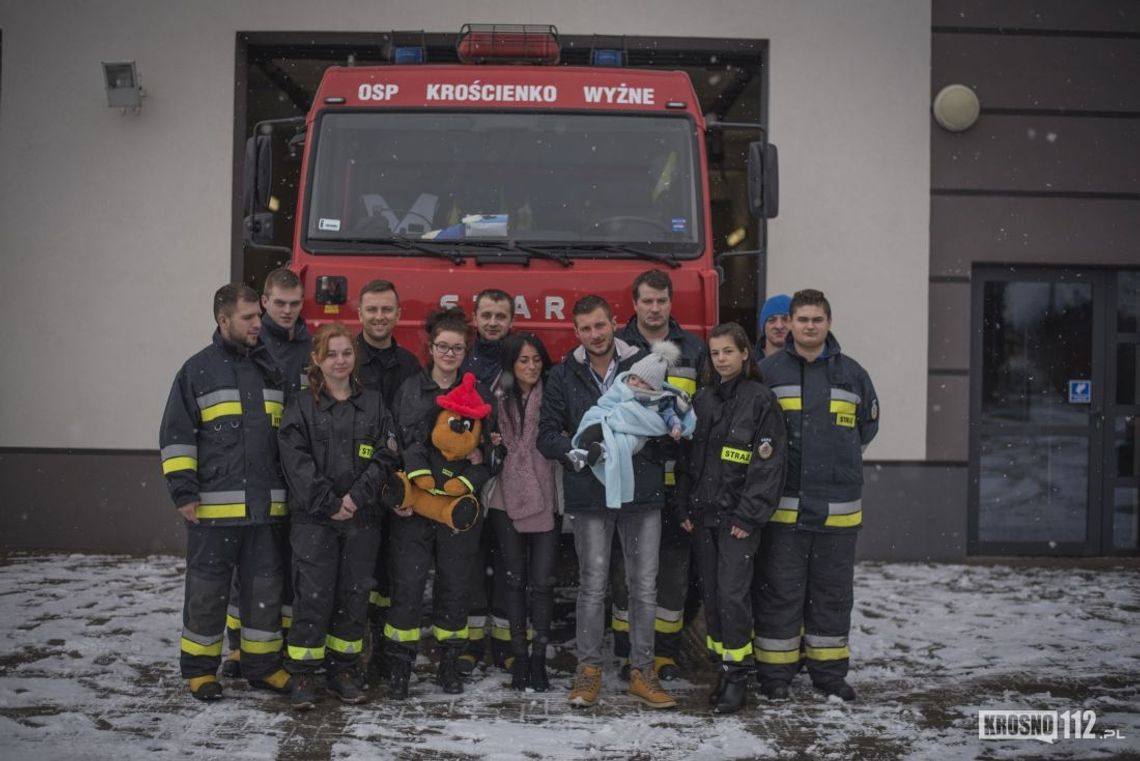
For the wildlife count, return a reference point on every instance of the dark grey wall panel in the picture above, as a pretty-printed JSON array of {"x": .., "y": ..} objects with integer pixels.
[
  {"x": 91, "y": 501},
  {"x": 965, "y": 229},
  {"x": 1048, "y": 154},
  {"x": 948, "y": 418},
  {"x": 914, "y": 511},
  {"x": 1121, "y": 16},
  {"x": 949, "y": 326},
  {"x": 1040, "y": 73}
]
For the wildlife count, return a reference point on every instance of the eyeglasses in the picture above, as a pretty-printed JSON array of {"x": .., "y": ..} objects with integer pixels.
[{"x": 445, "y": 349}]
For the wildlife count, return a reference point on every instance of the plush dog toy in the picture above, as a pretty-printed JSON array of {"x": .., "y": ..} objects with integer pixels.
[{"x": 441, "y": 480}]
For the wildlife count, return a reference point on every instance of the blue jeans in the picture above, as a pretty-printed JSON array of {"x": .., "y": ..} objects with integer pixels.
[{"x": 640, "y": 535}]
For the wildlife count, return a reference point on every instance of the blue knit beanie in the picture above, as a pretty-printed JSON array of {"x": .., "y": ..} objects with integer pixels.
[{"x": 778, "y": 304}]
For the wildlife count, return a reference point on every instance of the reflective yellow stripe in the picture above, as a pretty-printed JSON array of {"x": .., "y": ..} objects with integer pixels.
[
  {"x": 306, "y": 653},
  {"x": 501, "y": 633},
  {"x": 784, "y": 516},
  {"x": 379, "y": 600},
  {"x": 442, "y": 634},
  {"x": 788, "y": 403},
  {"x": 401, "y": 635},
  {"x": 670, "y": 478},
  {"x": 827, "y": 653},
  {"x": 844, "y": 521},
  {"x": 618, "y": 625},
  {"x": 475, "y": 635},
  {"x": 193, "y": 648},
  {"x": 778, "y": 656},
  {"x": 274, "y": 410},
  {"x": 737, "y": 654},
  {"x": 668, "y": 627},
  {"x": 731, "y": 454},
  {"x": 260, "y": 648},
  {"x": 838, "y": 406},
  {"x": 417, "y": 474},
  {"x": 286, "y": 622},
  {"x": 470, "y": 486},
  {"x": 278, "y": 508},
  {"x": 714, "y": 646},
  {"x": 220, "y": 410},
  {"x": 235, "y": 510},
  {"x": 688, "y": 385},
  {"x": 338, "y": 645},
  {"x": 233, "y": 622},
  {"x": 178, "y": 463}
]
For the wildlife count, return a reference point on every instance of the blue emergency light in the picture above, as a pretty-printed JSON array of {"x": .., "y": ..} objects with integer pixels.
[
  {"x": 606, "y": 57},
  {"x": 410, "y": 55}
]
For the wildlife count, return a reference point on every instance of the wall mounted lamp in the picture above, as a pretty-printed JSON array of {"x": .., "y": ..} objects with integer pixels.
[
  {"x": 956, "y": 108},
  {"x": 124, "y": 88}
]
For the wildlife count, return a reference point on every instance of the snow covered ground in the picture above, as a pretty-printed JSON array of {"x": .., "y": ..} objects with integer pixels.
[{"x": 88, "y": 670}]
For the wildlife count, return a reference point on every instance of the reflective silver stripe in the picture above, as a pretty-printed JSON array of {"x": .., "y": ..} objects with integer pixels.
[
  {"x": 258, "y": 635},
  {"x": 476, "y": 622},
  {"x": 672, "y": 616},
  {"x": 233, "y": 611},
  {"x": 670, "y": 466},
  {"x": 814, "y": 640},
  {"x": 846, "y": 396},
  {"x": 304, "y": 380},
  {"x": 777, "y": 645},
  {"x": 286, "y": 611},
  {"x": 620, "y": 615},
  {"x": 789, "y": 503},
  {"x": 784, "y": 391},
  {"x": 273, "y": 395},
  {"x": 277, "y": 495},
  {"x": 844, "y": 508},
  {"x": 201, "y": 639},
  {"x": 179, "y": 450},
  {"x": 217, "y": 397},
  {"x": 221, "y": 497},
  {"x": 500, "y": 623}
]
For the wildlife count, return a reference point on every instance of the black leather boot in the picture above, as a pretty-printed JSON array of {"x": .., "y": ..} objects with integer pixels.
[
  {"x": 399, "y": 674},
  {"x": 718, "y": 688},
  {"x": 735, "y": 679},
  {"x": 519, "y": 664},
  {"x": 536, "y": 675},
  {"x": 447, "y": 676}
]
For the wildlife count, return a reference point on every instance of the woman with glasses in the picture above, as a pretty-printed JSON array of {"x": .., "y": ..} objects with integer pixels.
[{"x": 420, "y": 544}]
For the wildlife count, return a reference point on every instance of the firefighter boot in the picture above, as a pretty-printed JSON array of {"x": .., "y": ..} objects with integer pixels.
[
  {"x": 667, "y": 669},
  {"x": 343, "y": 685},
  {"x": 378, "y": 669},
  {"x": 304, "y": 695},
  {"x": 735, "y": 681},
  {"x": 536, "y": 674},
  {"x": 231, "y": 666},
  {"x": 277, "y": 682},
  {"x": 837, "y": 687},
  {"x": 399, "y": 672},
  {"x": 774, "y": 689},
  {"x": 447, "y": 675},
  {"x": 718, "y": 688},
  {"x": 205, "y": 688},
  {"x": 519, "y": 664},
  {"x": 644, "y": 686}
]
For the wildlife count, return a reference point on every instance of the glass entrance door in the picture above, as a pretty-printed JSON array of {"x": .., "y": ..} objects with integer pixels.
[{"x": 1053, "y": 409}]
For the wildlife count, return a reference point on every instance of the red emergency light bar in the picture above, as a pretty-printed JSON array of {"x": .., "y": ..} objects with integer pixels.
[{"x": 508, "y": 43}]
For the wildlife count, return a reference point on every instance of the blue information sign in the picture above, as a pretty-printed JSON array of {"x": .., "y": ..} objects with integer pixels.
[{"x": 1080, "y": 392}]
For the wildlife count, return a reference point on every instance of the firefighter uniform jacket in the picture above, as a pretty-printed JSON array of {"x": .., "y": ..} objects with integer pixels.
[
  {"x": 290, "y": 354},
  {"x": 330, "y": 448},
  {"x": 384, "y": 369},
  {"x": 568, "y": 392},
  {"x": 832, "y": 412},
  {"x": 219, "y": 435},
  {"x": 732, "y": 472}
]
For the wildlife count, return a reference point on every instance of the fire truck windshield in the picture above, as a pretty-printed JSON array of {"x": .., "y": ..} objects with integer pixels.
[{"x": 614, "y": 180}]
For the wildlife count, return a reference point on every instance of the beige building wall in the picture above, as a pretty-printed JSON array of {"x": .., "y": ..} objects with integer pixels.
[{"x": 115, "y": 229}]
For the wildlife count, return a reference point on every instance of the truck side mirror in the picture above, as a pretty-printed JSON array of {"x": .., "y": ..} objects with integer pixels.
[
  {"x": 258, "y": 173},
  {"x": 257, "y": 228},
  {"x": 763, "y": 180}
]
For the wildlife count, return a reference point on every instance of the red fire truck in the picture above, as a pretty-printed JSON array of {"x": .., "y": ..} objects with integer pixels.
[{"x": 506, "y": 171}]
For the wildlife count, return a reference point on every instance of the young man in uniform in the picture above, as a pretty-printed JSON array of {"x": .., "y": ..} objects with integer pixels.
[
  {"x": 494, "y": 316},
  {"x": 773, "y": 325},
  {"x": 285, "y": 335},
  {"x": 652, "y": 322},
  {"x": 219, "y": 455},
  {"x": 807, "y": 552},
  {"x": 382, "y": 364},
  {"x": 572, "y": 387}
]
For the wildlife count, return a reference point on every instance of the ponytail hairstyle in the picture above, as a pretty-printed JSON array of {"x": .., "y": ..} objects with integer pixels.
[
  {"x": 445, "y": 318},
  {"x": 321, "y": 340},
  {"x": 510, "y": 349},
  {"x": 733, "y": 330}
]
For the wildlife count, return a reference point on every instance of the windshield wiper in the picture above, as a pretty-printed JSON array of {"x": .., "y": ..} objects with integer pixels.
[
  {"x": 410, "y": 245},
  {"x": 510, "y": 245},
  {"x": 619, "y": 248}
]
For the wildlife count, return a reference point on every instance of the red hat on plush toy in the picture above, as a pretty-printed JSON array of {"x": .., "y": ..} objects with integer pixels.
[{"x": 465, "y": 400}]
